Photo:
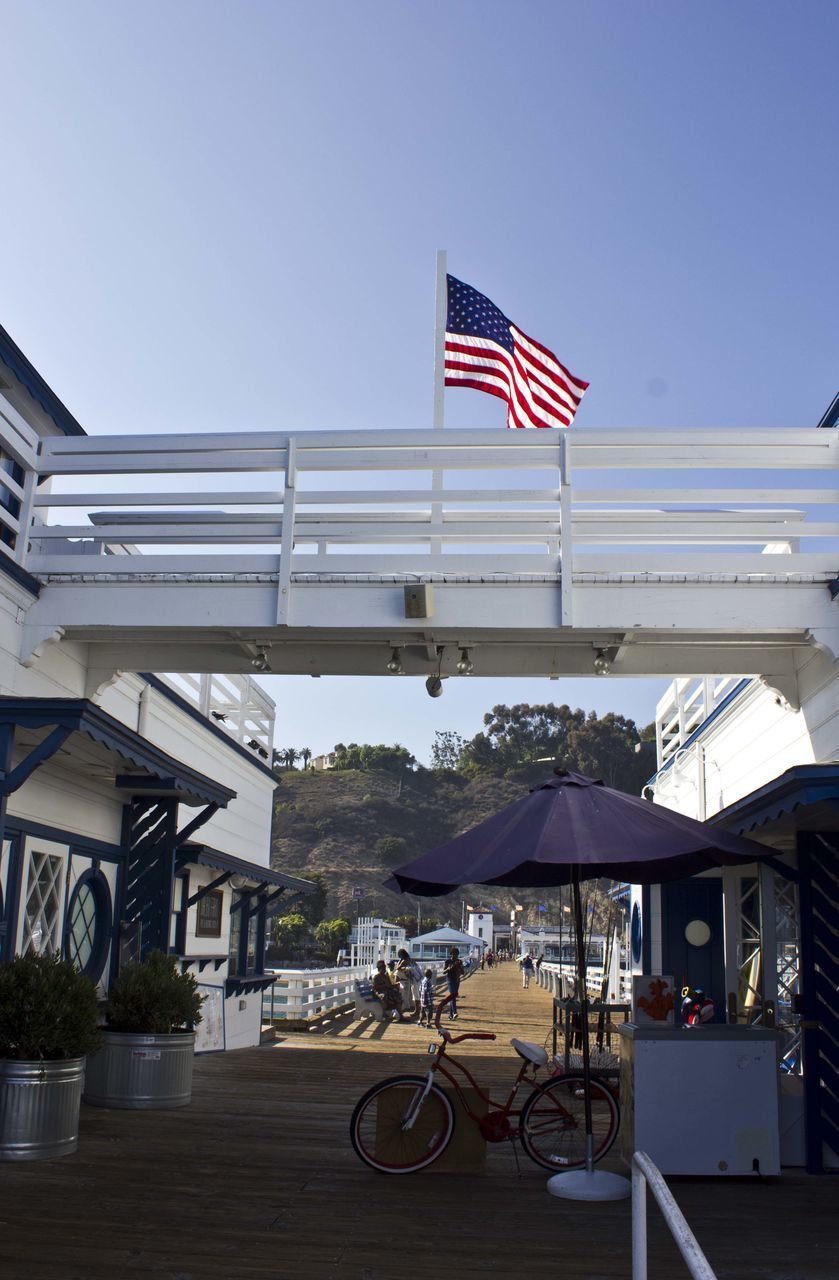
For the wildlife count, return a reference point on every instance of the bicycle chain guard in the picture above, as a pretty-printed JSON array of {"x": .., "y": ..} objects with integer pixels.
[{"x": 495, "y": 1126}]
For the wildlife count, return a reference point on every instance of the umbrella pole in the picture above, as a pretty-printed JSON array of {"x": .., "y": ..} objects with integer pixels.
[
  {"x": 588, "y": 1183},
  {"x": 582, "y": 995}
]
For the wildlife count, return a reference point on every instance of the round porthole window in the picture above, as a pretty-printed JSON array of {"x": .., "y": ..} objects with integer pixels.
[
  {"x": 636, "y": 933},
  {"x": 698, "y": 933},
  {"x": 88, "y": 923}
]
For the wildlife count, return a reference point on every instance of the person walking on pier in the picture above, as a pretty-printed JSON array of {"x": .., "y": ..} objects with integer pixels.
[
  {"x": 454, "y": 972},
  {"x": 526, "y": 970}
]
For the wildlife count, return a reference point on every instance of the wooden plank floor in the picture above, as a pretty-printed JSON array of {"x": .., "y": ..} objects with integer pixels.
[{"x": 257, "y": 1178}]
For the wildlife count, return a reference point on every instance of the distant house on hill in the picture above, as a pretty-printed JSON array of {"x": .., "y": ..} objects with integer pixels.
[{"x": 324, "y": 762}]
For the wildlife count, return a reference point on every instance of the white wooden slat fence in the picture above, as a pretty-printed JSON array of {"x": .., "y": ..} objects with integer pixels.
[
  {"x": 551, "y": 976},
  {"x": 307, "y": 993},
  {"x": 346, "y": 491}
]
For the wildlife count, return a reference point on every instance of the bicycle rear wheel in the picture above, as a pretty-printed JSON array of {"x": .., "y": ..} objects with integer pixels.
[
  {"x": 553, "y": 1123},
  {"x": 391, "y": 1135}
]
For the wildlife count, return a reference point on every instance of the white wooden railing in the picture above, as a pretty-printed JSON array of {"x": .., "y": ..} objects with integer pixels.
[
  {"x": 614, "y": 502},
  {"x": 646, "y": 1174},
  {"x": 307, "y": 993},
  {"x": 235, "y": 703},
  {"x": 687, "y": 704},
  {"x": 551, "y": 976}
]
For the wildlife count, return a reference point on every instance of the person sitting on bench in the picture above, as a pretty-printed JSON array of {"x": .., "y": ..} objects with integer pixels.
[{"x": 386, "y": 990}]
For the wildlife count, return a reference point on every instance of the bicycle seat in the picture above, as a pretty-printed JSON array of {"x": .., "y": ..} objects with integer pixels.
[{"x": 530, "y": 1052}]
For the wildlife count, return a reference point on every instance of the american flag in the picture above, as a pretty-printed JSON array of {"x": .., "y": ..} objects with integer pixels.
[{"x": 486, "y": 351}]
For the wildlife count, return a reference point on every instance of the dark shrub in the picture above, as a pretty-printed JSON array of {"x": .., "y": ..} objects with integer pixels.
[
  {"x": 154, "y": 998},
  {"x": 47, "y": 1010}
]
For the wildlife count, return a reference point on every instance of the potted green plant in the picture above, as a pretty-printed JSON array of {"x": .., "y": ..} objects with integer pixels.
[
  {"x": 149, "y": 1038},
  {"x": 48, "y": 1024}
]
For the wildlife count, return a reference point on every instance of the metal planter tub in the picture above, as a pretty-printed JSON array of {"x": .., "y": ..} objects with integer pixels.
[
  {"x": 141, "y": 1073},
  {"x": 39, "y": 1108}
]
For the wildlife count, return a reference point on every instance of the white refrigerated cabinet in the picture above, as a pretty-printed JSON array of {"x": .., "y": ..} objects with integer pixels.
[{"x": 701, "y": 1100}]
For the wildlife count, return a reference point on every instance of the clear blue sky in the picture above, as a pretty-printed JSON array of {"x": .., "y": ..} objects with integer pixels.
[{"x": 225, "y": 215}]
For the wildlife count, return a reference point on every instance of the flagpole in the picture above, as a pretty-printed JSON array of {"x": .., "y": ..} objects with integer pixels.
[
  {"x": 440, "y": 314},
  {"x": 441, "y": 308}
]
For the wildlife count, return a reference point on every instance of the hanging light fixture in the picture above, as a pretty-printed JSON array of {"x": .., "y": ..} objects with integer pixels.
[
  {"x": 602, "y": 665},
  {"x": 434, "y": 683},
  {"x": 464, "y": 663},
  {"x": 394, "y": 665},
  {"x": 259, "y": 661}
]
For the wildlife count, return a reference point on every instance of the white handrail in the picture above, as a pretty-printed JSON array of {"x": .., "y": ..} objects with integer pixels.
[
  {"x": 648, "y": 520},
  {"x": 645, "y": 1173},
  {"x": 306, "y": 993}
]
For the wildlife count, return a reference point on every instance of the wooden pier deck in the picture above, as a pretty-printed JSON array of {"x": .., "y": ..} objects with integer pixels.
[{"x": 257, "y": 1179}]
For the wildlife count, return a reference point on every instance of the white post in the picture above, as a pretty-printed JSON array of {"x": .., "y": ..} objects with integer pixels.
[
  {"x": 566, "y": 546},
  {"x": 768, "y": 939},
  {"x": 441, "y": 313},
  {"x": 287, "y": 537},
  {"x": 639, "y": 1224}
]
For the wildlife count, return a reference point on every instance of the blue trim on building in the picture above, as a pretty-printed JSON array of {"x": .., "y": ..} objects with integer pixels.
[
  {"x": 18, "y": 575},
  {"x": 203, "y": 856},
  {"x": 82, "y": 716},
  {"x": 103, "y": 935},
  {"x": 29, "y": 377},
  {"x": 701, "y": 728},
  {"x": 17, "y": 829},
  {"x": 168, "y": 692},
  {"x": 803, "y": 785}
]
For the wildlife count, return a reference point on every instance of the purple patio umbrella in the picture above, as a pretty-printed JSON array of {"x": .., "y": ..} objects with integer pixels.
[{"x": 572, "y": 828}]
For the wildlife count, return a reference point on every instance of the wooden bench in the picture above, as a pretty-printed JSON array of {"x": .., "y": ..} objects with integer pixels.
[{"x": 366, "y": 1004}]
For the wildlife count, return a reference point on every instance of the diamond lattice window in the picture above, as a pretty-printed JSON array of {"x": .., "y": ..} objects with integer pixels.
[
  {"x": 41, "y": 921},
  {"x": 81, "y": 939}
]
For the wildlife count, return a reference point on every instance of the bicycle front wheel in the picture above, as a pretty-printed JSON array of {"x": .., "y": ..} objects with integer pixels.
[
  {"x": 553, "y": 1123},
  {"x": 394, "y": 1129}
]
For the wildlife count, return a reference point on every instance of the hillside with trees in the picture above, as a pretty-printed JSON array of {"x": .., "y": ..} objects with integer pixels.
[{"x": 377, "y": 808}]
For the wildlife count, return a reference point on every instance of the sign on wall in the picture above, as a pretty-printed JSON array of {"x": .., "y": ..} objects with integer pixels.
[{"x": 209, "y": 1034}]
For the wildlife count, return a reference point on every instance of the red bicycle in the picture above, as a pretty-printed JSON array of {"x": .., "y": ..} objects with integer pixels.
[{"x": 405, "y": 1123}]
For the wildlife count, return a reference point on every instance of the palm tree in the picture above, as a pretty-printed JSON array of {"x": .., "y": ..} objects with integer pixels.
[
  {"x": 305, "y": 754},
  {"x": 289, "y": 756}
]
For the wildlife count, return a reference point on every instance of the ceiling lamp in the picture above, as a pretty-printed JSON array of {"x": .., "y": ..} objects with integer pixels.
[
  {"x": 434, "y": 683},
  {"x": 394, "y": 665},
  {"x": 464, "y": 663},
  {"x": 259, "y": 661},
  {"x": 602, "y": 665}
]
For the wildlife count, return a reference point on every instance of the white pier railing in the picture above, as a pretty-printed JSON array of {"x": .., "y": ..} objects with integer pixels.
[
  {"x": 556, "y": 977},
  {"x": 623, "y": 501},
  {"x": 306, "y": 993},
  {"x": 646, "y": 1174}
]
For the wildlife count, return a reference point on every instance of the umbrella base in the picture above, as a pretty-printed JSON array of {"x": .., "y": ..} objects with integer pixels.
[{"x": 580, "y": 1184}]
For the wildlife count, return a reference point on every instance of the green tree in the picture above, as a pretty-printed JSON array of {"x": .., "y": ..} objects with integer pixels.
[
  {"x": 291, "y": 932},
  {"x": 332, "y": 936},
  {"x": 446, "y": 749},
  {"x": 367, "y": 757},
  {"x": 313, "y": 905},
  {"x": 305, "y": 755},
  {"x": 523, "y": 735}
]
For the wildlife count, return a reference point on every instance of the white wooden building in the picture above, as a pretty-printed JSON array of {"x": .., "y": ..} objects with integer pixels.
[
  {"x": 135, "y": 807},
  {"x": 762, "y": 941},
  {"x": 437, "y": 944}
]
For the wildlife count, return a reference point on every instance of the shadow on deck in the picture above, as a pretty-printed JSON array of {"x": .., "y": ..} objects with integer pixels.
[{"x": 257, "y": 1178}]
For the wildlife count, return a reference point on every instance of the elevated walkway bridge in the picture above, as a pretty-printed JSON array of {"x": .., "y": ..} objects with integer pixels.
[{"x": 677, "y": 552}]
